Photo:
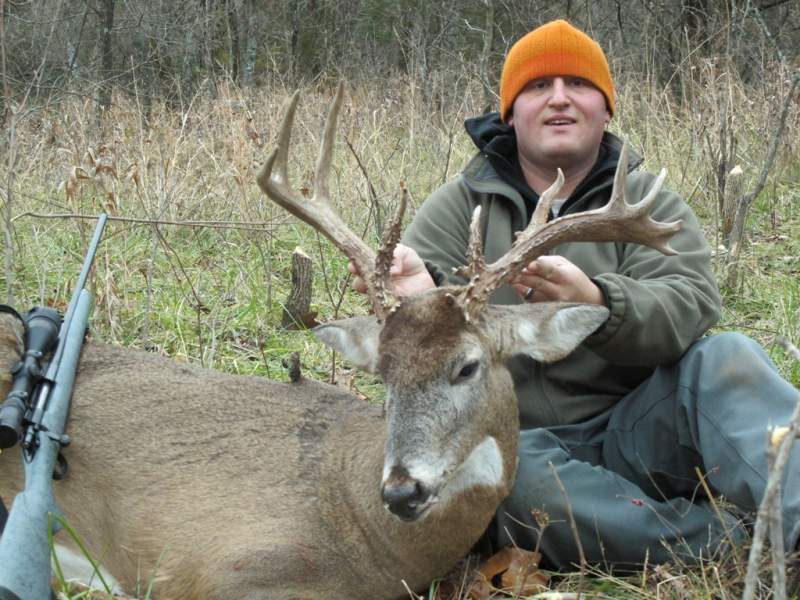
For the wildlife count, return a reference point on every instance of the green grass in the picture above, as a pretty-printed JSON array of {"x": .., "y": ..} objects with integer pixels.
[{"x": 213, "y": 296}]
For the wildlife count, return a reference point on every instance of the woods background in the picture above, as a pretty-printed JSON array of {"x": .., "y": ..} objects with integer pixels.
[
  {"x": 160, "y": 113},
  {"x": 167, "y": 49}
]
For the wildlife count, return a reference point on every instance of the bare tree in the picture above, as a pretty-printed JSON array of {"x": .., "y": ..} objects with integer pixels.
[{"x": 106, "y": 17}]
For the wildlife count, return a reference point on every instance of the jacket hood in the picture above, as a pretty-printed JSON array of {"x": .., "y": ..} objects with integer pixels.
[{"x": 485, "y": 128}]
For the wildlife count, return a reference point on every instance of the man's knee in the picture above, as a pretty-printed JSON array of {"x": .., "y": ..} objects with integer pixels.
[
  {"x": 540, "y": 454},
  {"x": 729, "y": 345},
  {"x": 728, "y": 359}
]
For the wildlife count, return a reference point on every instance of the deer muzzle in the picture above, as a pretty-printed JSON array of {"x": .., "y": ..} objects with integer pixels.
[{"x": 406, "y": 497}]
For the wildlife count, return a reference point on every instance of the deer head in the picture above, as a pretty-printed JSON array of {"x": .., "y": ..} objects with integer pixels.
[{"x": 451, "y": 409}]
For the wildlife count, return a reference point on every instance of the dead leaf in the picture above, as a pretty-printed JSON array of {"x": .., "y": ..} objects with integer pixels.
[
  {"x": 78, "y": 173},
  {"x": 71, "y": 184},
  {"x": 89, "y": 156},
  {"x": 132, "y": 173},
  {"x": 523, "y": 576},
  {"x": 518, "y": 570},
  {"x": 107, "y": 168},
  {"x": 111, "y": 205}
]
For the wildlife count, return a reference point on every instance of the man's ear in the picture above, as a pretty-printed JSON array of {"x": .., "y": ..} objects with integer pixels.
[
  {"x": 356, "y": 339},
  {"x": 545, "y": 331}
]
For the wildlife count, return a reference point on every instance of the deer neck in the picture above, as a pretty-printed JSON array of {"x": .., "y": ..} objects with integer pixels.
[{"x": 383, "y": 550}]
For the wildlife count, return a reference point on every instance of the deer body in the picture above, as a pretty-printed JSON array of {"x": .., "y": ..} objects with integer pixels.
[{"x": 243, "y": 487}]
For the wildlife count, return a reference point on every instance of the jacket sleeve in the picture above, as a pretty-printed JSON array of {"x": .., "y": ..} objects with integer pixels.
[
  {"x": 659, "y": 304},
  {"x": 439, "y": 231}
]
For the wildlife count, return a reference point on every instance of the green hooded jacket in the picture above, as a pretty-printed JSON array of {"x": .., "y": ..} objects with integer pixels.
[{"x": 659, "y": 304}]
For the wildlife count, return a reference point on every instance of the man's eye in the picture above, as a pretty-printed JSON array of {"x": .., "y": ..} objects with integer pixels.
[{"x": 540, "y": 84}]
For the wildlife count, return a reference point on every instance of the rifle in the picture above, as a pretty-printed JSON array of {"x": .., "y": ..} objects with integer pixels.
[{"x": 36, "y": 413}]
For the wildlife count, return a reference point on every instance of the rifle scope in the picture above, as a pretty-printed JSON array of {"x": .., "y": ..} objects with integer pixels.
[{"x": 41, "y": 334}]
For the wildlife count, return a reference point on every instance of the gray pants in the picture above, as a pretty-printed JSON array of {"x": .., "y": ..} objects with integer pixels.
[{"x": 630, "y": 473}]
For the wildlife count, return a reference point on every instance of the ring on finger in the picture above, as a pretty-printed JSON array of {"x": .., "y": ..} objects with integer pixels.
[{"x": 529, "y": 294}]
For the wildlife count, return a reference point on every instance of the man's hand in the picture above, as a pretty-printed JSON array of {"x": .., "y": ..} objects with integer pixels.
[
  {"x": 408, "y": 274},
  {"x": 556, "y": 278}
]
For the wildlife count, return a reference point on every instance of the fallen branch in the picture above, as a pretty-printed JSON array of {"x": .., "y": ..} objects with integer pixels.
[
  {"x": 782, "y": 438},
  {"x": 260, "y": 226}
]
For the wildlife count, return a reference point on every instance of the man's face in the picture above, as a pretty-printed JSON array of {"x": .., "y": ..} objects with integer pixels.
[{"x": 559, "y": 122}]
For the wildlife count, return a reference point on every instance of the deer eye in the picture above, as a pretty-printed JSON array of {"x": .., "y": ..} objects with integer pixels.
[{"x": 467, "y": 370}]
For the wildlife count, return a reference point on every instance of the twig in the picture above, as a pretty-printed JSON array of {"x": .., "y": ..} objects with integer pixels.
[
  {"x": 789, "y": 347},
  {"x": 770, "y": 498},
  {"x": 373, "y": 195},
  {"x": 776, "y": 535},
  {"x": 574, "y": 527},
  {"x": 259, "y": 226}
]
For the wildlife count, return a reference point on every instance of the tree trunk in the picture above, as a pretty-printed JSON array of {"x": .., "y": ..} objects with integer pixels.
[
  {"x": 106, "y": 55},
  {"x": 250, "y": 43},
  {"x": 74, "y": 47},
  {"x": 206, "y": 9},
  {"x": 486, "y": 55},
  {"x": 6, "y": 99},
  {"x": 233, "y": 39}
]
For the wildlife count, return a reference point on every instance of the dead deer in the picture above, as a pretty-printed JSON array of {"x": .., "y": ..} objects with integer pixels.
[{"x": 221, "y": 486}]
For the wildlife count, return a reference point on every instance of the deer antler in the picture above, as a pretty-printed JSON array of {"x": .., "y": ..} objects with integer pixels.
[
  {"x": 617, "y": 221},
  {"x": 317, "y": 211}
]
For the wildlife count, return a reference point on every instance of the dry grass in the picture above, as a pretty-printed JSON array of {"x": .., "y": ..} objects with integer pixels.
[{"x": 209, "y": 292}]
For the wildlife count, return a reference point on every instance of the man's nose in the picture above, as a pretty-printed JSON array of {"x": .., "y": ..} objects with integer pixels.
[{"x": 558, "y": 95}]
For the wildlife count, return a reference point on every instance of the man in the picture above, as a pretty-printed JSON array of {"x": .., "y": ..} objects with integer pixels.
[{"x": 633, "y": 418}]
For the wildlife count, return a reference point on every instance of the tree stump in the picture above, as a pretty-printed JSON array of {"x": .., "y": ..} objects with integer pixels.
[
  {"x": 734, "y": 188},
  {"x": 292, "y": 365},
  {"x": 296, "y": 308}
]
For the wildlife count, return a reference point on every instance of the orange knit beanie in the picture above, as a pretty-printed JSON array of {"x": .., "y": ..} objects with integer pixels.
[{"x": 555, "y": 48}]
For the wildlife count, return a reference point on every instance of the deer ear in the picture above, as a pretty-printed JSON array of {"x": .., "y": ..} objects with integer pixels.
[
  {"x": 355, "y": 338},
  {"x": 545, "y": 331}
]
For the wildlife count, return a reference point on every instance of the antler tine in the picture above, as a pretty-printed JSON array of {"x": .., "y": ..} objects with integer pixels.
[
  {"x": 275, "y": 167},
  {"x": 383, "y": 259},
  {"x": 323, "y": 170},
  {"x": 284, "y": 137},
  {"x": 617, "y": 221},
  {"x": 641, "y": 227},
  {"x": 475, "y": 250},
  {"x": 542, "y": 211},
  {"x": 317, "y": 211}
]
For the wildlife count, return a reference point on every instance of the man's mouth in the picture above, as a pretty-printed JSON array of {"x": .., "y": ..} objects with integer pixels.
[{"x": 559, "y": 121}]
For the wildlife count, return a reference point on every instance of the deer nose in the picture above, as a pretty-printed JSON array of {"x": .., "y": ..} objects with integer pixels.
[{"x": 404, "y": 496}]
